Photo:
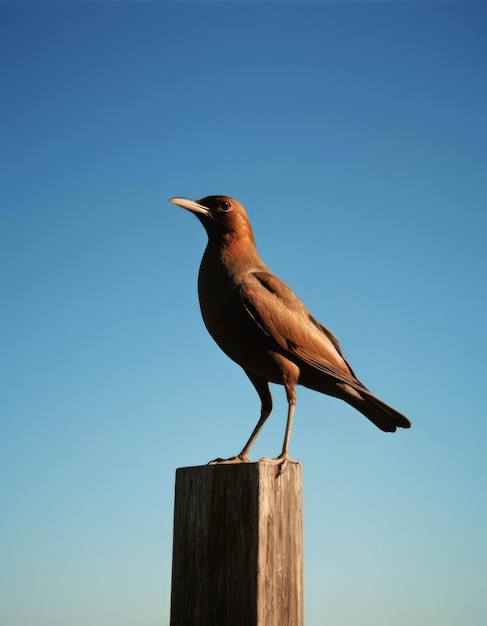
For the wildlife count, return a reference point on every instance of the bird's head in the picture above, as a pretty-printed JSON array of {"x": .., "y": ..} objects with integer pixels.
[{"x": 220, "y": 215}]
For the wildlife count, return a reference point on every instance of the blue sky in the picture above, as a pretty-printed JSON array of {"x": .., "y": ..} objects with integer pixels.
[{"x": 355, "y": 135}]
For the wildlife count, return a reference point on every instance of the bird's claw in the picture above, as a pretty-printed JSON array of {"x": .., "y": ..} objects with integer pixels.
[
  {"x": 281, "y": 462},
  {"x": 240, "y": 458}
]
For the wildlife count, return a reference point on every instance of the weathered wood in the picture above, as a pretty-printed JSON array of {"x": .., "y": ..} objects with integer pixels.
[{"x": 237, "y": 547}]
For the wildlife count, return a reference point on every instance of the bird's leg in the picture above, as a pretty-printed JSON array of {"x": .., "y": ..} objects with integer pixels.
[
  {"x": 283, "y": 459},
  {"x": 262, "y": 389},
  {"x": 287, "y": 436},
  {"x": 244, "y": 454}
]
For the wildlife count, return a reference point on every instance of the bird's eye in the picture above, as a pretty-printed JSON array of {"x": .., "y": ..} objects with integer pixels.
[{"x": 225, "y": 206}]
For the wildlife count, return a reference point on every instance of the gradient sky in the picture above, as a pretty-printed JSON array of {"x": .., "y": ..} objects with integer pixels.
[{"x": 355, "y": 135}]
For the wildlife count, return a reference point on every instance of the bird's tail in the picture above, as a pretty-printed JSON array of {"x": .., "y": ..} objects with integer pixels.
[
  {"x": 357, "y": 395},
  {"x": 379, "y": 413}
]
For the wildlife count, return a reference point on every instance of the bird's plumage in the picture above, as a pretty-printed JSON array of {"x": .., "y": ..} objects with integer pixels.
[{"x": 260, "y": 323}]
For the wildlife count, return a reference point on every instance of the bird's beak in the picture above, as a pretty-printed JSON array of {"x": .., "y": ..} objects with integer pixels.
[{"x": 190, "y": 205}]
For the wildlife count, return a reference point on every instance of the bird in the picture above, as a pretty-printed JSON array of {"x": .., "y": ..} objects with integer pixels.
[{"x": 262, "y": 325}]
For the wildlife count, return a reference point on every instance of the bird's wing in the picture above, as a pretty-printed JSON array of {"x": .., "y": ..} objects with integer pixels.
[{"x": 281, "y": 315}]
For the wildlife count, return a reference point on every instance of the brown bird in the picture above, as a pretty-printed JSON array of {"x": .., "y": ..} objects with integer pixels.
[{"x": 263, "y": 326}]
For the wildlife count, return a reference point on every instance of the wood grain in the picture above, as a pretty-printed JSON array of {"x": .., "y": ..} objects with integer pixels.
[{"x": 237, "y": 546}]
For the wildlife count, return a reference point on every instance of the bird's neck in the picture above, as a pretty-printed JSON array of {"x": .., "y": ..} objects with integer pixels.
[{"x": 235, "y": 251}]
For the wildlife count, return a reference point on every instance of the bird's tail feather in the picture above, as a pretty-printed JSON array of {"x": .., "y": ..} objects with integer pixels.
[
  {"x": 357, "y": 395},
  {"x": 379, "y": 413}
]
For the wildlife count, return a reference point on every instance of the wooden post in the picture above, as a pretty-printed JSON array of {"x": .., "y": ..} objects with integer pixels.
[{"x": 237, "y": 547}]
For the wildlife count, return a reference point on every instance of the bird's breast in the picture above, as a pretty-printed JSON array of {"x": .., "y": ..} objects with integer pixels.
[
  {"x": 221, "y": 305},
  {"x": 228, "y": 321}
]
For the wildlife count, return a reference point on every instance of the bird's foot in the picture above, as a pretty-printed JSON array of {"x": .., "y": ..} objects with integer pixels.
[
  {"x": 281, "y": 461},
  {"x": 240, "y": 458}
]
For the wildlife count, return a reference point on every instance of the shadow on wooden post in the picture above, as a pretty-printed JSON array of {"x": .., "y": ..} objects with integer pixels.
[{"x": 237, "y": 547}]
